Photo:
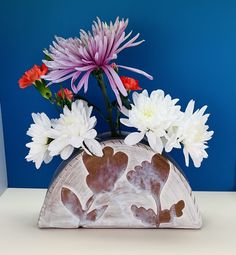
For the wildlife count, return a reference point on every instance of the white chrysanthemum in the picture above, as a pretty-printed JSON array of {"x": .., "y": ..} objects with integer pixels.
[
  {"x": 152, "y": 116},
  {"x": 39, "y": 131},
  {"x": 74, "y": 129},
  {"x": 193, "y": 133}
]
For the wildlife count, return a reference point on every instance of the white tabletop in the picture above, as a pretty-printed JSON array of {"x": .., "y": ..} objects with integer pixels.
[{"x": 19, "y": 209}]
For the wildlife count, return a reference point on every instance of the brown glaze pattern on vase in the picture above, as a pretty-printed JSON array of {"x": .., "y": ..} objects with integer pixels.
[
  {"x": 151, "y": 177},
  {"x": 129, "y": 187}
]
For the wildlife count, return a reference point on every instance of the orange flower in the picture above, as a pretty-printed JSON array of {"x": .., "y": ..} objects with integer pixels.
[
  {"x": 130, "y": 83},
  {"x": 32, "y": 75},
  {"x": 65, "y": 94}
]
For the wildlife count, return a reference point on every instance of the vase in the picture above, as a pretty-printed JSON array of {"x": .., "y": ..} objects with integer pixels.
[{"x": 128, "y": 187}]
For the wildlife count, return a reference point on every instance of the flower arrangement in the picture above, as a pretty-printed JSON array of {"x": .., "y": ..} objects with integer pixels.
[{"x": 157, "y": 116}]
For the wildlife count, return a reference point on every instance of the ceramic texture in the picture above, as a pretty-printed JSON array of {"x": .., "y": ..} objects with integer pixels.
[{"x": 129, "y": 187}]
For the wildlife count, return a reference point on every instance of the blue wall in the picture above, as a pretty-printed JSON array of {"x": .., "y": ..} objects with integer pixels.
[{"x": 190, "y": 49}]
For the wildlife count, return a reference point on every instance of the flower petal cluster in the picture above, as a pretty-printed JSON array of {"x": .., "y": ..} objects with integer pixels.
[
  {"x": 152, "y": 116},
  {"x": 166, "y": 127},
  {"x": 39, "y": 133},
  {"x": 156, "y": 117},
  {"x": 32, "y": 75},
  {"x": 130, "y": 83},
  {"x": 74, "y": 129},
  {"x": 79, "y": 57},
  {"x": 191, "y": 131},
  {"x": 65, "y": 93}
]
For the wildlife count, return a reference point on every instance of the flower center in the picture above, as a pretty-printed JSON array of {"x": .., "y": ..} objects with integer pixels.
[
  {"x": 71, "y": 126},
  {"x": 195, "y": 133},
  {"x": 69, "y": 120},
  {"x": 148, "y": 112}
]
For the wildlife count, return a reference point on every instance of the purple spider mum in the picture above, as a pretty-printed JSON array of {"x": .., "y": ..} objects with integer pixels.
[{"x": 92, "y": 51}]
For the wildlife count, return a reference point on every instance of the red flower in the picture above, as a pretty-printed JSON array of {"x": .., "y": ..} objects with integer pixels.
[
  {"x": 32, "y": 75},
  {"x": 65, "y": 94},
  {"x": 130, "y": 83}
]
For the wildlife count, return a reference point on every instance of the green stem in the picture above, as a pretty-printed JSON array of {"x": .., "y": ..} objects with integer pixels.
[
  {"x": 108, "y": 104},
  {"x": 93, "y": 105},
  {"x": 118, "y": 121}
]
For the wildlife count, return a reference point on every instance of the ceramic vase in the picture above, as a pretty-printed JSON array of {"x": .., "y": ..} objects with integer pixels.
[{"x": 129, "y": 187}]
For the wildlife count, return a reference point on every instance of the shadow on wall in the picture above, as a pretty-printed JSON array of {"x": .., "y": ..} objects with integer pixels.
[{"x": 3, "y": 172}]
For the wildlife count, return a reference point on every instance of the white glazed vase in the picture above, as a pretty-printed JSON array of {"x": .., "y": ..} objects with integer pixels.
[{"x": 129, "y": 187}]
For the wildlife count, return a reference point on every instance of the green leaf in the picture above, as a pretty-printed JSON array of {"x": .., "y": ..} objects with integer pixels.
[
  {"x": 40, "y": 85},
  {"x": 125, "y": 101},
  {"x": 48, "y": 58}
]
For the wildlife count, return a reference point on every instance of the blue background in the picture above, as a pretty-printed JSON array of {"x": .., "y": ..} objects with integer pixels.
[{"x": 190, "y": 50}]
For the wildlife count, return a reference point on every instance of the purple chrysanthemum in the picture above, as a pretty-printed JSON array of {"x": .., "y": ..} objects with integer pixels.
[{"x": 76, "y": 57}]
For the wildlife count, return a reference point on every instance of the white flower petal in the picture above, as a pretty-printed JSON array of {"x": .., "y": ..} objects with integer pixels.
[
  {"x": 72, "y": 128},
  {"x": 193, "y": 133},
  {"x": 57, "y": 145},
  {"x": 38, "y": 163},
  {"x": 47, "y": 158},
  {"x": 145, "y": 93},
  {"x": 94, "y": 147},
  {"x": 157, "y": 113},
  {"x": 76, "y": 141},
  {"x": 135, "y": 97},
  {"x": 134, "y": 138},
  {"x": 186, "y": 156},
  {"x": 39, "y": 143},
  {"x": 91, "y": 134},
  {"x": 155, "y": 142},
  {"x": 36, "y": 118},
  {"x": 190, "y": 107},
  {"x": 66, "y": 152},
  {"x": 157, "y": 94},
  {"x": 172, "y": 140},
  {"x": 202, "y": 110},
  {"x": 86, "y": 150},
  {"x": 126, "y": 122},
  {"x": 92, "y": 122}
]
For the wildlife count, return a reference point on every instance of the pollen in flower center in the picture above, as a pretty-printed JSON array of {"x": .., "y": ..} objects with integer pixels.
[{"x": 149, "y": 112}]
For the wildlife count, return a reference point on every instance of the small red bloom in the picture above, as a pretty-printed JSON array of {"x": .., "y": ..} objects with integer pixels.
[
  {"x": 130, "y": 83},
  {"x": 65, "y": 94},
  {"x": 32, "y": 75}
]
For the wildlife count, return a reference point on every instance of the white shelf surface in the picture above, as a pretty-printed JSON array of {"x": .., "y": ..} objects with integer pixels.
[{"x": 19, "y": 209}]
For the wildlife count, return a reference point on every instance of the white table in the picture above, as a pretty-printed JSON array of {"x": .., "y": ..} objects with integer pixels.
[{"x": 19, "y": 209}]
